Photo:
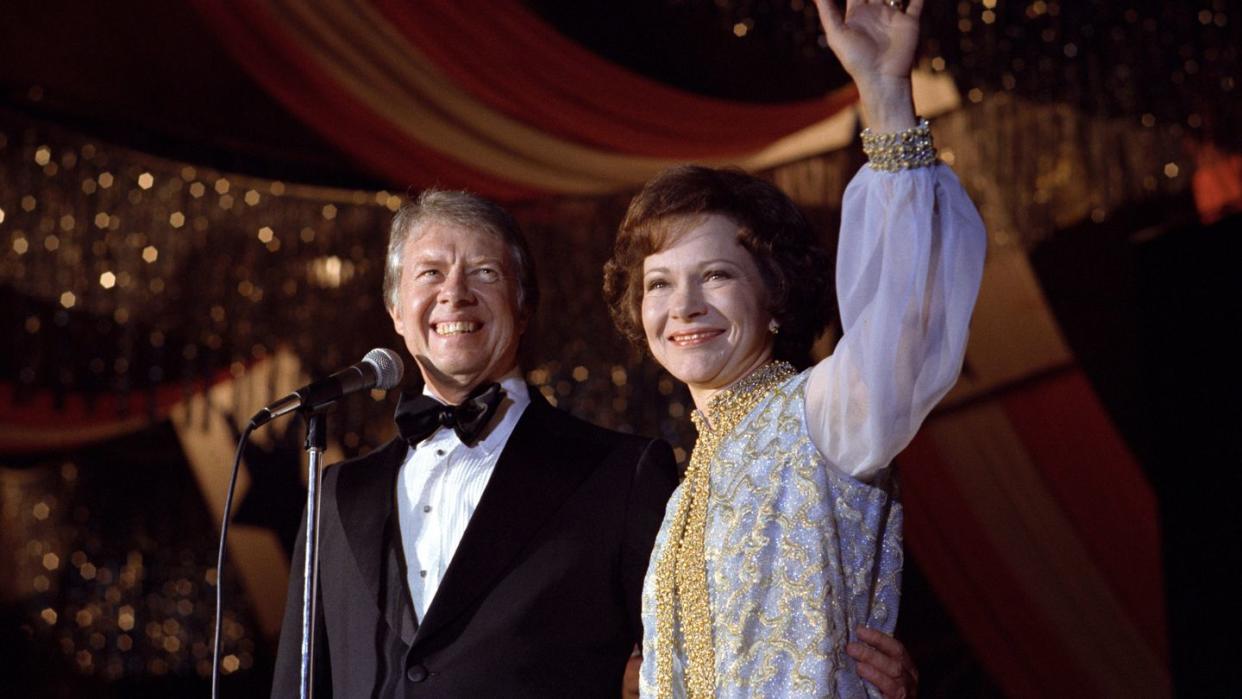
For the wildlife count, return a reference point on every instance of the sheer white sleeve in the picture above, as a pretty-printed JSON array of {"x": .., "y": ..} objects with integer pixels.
[{"x": 909, "y": 264}]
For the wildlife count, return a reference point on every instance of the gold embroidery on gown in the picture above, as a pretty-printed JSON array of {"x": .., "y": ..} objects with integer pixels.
[
  {"x": 795, "y": 555},
  {"x": 681, "y": 573}
]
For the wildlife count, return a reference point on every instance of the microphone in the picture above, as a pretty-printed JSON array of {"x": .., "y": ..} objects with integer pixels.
[{"x": 381, "y": 368}]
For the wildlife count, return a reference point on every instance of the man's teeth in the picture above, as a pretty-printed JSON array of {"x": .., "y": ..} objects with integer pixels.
[{"x": 456, "y": 327}]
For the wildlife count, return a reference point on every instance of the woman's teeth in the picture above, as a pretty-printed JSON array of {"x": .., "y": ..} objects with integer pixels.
[{"x": 690, "y": 338}]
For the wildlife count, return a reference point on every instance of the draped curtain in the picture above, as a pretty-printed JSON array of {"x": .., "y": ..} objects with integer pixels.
[
  {"x": 492, "y": 99},
  {"x": 1036, "y": 528}
]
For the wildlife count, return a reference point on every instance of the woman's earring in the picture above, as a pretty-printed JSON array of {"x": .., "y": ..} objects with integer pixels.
[{"x": 773, "y": 326}]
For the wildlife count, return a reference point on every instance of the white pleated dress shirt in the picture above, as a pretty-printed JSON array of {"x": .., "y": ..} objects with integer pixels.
[{"x": 438, "y": 489}]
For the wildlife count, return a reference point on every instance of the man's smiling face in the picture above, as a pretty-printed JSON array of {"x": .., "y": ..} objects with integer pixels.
[{"x": 457, "y": 307}]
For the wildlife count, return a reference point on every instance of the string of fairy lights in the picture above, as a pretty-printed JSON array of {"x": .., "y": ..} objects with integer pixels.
[{"x": 1174, "y": 64}]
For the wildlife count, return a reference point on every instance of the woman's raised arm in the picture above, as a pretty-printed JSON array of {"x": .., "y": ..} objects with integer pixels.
[{"x": 909, "y": 262}]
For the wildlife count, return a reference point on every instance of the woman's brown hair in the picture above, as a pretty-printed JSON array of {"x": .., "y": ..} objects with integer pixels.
[{"x": 795, "y": 270}]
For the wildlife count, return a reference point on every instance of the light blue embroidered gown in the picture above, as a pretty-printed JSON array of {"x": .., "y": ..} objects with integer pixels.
[{"x": 803, "y": 538}]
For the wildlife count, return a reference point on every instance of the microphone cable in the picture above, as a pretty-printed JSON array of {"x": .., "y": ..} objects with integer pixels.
[{"x": 220, "y": 555}]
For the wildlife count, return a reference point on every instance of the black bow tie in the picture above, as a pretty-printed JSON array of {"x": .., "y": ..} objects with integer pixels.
[{"x": 418, "y": 416}]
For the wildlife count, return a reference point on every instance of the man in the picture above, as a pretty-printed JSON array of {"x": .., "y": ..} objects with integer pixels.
[{"x": 495, "y": 549}]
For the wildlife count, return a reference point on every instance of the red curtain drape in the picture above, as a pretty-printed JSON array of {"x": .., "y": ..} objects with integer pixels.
[
  {"x": 1040, "y": 534},
  {"x": 491, "y": 99},
  {"x": 255, "y": 38},
  {"x": 40, "y": 424},
  {"x": 520, "y": 65}
]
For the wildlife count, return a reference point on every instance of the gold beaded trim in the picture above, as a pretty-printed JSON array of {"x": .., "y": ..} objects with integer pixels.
[
  {"x": 681, "y": 572},
  {"x": 904, "y": 150}
]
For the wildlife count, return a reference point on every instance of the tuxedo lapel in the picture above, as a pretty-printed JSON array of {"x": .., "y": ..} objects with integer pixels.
[
  {"x": 364, "y": 498},
  {"x": 534, "y": 474}
]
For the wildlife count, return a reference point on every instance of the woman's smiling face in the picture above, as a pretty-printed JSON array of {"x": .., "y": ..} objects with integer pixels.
[{"x": 704, "y": 307}]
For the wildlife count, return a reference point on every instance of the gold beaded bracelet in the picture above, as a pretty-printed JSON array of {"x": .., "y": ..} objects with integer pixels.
[{"x": 904, "y": 150}]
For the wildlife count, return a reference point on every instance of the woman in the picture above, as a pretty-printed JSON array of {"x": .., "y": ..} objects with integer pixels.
[{"x": 784, "y": 537}]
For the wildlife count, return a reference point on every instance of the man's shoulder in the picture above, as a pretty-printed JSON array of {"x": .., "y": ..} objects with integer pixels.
[
  {"x": 392, "y": 449},
  {"x": 572, "y": 431},
  {"x": 566, "y": 422},
  {"x": 366, "y": 466}
]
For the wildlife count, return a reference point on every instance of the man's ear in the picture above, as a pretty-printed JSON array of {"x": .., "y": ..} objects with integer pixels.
[
  {"x": 523, "y": 322},
  {"x": 397, "y": 324}
]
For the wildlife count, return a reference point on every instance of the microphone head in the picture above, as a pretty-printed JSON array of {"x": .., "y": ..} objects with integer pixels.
[{"x": 388, "y": 367}]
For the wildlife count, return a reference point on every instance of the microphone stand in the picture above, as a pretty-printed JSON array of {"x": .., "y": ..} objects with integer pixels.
[{"x": 316, "y": 443}]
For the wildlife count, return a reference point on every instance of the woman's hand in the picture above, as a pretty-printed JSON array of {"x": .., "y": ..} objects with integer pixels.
[
  {"x": 875, "y": 43},
  {"x": 883, "y": 661}
]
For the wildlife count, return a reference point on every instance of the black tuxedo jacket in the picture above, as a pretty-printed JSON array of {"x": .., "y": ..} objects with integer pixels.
[{"x": 541, "y": 597}]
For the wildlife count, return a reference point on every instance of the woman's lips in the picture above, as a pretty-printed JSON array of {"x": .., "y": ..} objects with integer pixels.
[{"x": 691, "y": 338}]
